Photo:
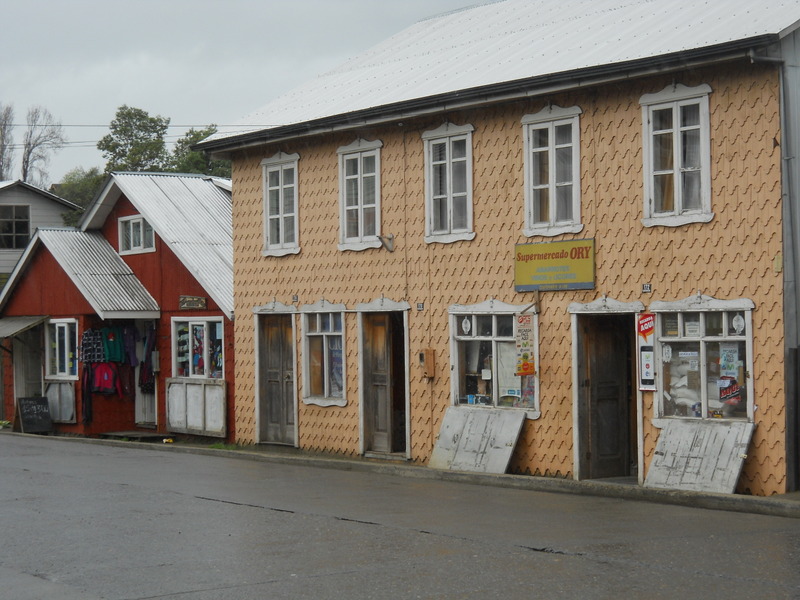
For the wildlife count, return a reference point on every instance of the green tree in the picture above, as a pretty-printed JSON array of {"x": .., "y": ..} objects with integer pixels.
[
  {"x": 186, "y": 160},
  {"x": 136, "y": 142},
  {"x": 81, "y": 187}
]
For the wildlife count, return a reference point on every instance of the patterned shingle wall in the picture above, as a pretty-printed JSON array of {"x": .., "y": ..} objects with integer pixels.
[{"x": 731, "y": 257}]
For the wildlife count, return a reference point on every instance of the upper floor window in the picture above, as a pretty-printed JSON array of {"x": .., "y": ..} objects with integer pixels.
[
  {"x": 135, "y": 235},
  {"x": 677, "y": 156},
  {"x": 280, "y": 205},
  {"x": 197, "y": 348},
  {"x": 486, "y": 356},
  {"x": 360, "y": 195},
  {"x": 448, "y": 183},
  {"x": 15, "y": 227},
  {"x": 61, "y": 349},
  {"x": 551, "y": 139},
  {"x": 323, "y": 349},
  {"x": 706, "y": 351}
]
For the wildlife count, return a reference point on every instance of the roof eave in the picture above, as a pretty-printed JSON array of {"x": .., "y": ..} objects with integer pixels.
[{"x": 469, "y": 98}]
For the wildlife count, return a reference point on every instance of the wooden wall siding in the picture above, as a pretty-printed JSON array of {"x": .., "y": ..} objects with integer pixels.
[
  {"x": 43, "y": 213},
  {"x": 730, "y": 257}
]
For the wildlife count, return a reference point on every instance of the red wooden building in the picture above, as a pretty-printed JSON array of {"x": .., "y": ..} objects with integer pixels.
[{"x": 124, "y": 323}]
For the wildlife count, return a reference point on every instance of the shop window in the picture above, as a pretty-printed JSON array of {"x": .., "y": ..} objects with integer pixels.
[
  {"x": 324, "y": 358},
  {"x": 677, "y": 156},
  {"x": 360, "y": 195},
  {"x": 485, "y": 357},
  {"x": 706, "y": 361},
  {"x": 552, "y": 171},
  {"x": 198, "y": 348},
  {"x": 62, "y": 349},
  {"x": 135, "y": 235},
  {"x": 448, "y": 183},
  {"x": 280, "y": 205}
]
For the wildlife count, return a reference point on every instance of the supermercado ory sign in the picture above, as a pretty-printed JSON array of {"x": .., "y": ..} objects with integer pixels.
[{"x": 548, "y": 266}]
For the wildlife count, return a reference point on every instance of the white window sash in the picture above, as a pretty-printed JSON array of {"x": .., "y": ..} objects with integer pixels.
[
  {"x": 447, "y": 135},
  {"x": 550, "y": 118},
  {"x": 358, "y": 151},
  {"x": 674, "y": 97},
  {"x": 281, "y": 164}
]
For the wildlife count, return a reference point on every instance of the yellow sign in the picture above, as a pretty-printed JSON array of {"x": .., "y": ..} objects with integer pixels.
[{"x": 548, "y": 266}]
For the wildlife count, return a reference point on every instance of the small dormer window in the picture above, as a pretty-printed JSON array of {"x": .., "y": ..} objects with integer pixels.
[{"x": 135, "y": 235}]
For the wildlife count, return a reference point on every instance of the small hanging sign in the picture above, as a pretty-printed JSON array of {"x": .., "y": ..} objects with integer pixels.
[
  {"x": 526, "y": 364},
  {"x": 192, "y": 303},
  {"x": 645, "y": 328}
]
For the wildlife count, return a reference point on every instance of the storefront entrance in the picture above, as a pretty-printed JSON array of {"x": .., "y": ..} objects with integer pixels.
[
  {"x": 276, "y": 404},
  {"x": 606, "y": 397},
  {"x": 384, "y": 392}
]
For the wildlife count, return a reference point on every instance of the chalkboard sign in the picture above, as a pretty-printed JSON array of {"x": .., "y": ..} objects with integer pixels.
[{"x": 34, "y": 415}]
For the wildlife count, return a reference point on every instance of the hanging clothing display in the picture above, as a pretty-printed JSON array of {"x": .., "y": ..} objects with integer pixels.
[
  {"x": 113, "y": 344},
  {"x": 147, "y": 377},
  {"x": 92, "y": 349}
]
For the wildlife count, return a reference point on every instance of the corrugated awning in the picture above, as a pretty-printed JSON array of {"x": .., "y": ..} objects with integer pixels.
[{"x": 10, "y": 326}]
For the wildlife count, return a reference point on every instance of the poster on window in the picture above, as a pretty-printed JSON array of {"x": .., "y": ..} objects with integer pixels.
[
  {"x": 525, "y": 364},
  {"x": 645, "y": 329}
]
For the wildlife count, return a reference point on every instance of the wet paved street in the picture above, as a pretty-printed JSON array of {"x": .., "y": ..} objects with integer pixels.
[{"x": 83, "y": 520}]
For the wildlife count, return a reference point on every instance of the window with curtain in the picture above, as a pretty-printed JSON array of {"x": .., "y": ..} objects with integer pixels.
[
  {"x": 280, "y": 205},
  {"x": 677, "y": 156},
  {"x": 551, "y": 139},
  {"x": 359, "y": 195},
  {"x": 135, "y": 235},
  {"x": 448, "y": 183},
  {"x": 324, "y": 356}
]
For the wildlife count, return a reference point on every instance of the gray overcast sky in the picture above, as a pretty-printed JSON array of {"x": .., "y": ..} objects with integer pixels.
[{"x": 195, "y": 61}]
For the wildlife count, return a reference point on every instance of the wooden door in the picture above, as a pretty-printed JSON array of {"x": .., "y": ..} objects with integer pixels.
[
  {"x": 377, "y": 365},
  {"x": 608, "y": 383},
  {"x": 276, "y": 385}
]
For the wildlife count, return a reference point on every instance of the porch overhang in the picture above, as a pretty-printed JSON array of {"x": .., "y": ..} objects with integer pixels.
[{"x": 11, "y": 326}]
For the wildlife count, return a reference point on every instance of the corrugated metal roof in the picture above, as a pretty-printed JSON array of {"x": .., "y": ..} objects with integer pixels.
[
  {"x": 514, "y": 40},
  {"x": 104, "y": 279},
  {"x": 10, "y": 326},
  {"x": 192, "y": 214}
]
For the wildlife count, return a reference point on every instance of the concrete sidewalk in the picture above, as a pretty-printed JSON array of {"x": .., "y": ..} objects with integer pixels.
[{"x": 781, "y": 505}]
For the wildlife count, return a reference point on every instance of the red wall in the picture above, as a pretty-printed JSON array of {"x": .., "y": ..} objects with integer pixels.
[{"x": 47, "y": 290}]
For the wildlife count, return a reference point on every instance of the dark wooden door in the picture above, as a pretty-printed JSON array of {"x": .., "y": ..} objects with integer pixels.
[
  {"x": 276, "y": 385},
  {"x": 608, "y": 341},
  {"x": 378, "y": 382}
]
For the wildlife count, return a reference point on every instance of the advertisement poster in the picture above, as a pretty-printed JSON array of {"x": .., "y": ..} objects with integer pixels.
[
  {"x": 645, "y": 329},
  {"x": 551, "y": 266},
  {"x": 526, "y": 364}
]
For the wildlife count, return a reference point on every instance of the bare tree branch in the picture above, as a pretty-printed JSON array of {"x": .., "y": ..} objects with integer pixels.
[
  {"x": 6, "y": 141},
  {"x": 43, "y": 136}
]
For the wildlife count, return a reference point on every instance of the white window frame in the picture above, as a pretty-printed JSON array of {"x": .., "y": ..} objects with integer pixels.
[
  {"x": 447, "y": 134},
  {"x": 315, "y": 311},
  {"x": 52, "y": 346},
  {"x": 703, "y": 305},
  {"x": 279, "y": 164},
  {"x": 206, "y": 323},
  {"x": 359, "y": 150},
  {"x": 144, "y": 245},
  {"x": 493, "y": 308},
  {"x": 550, "y": 118},
  {"x": 674, "y": 97}
]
